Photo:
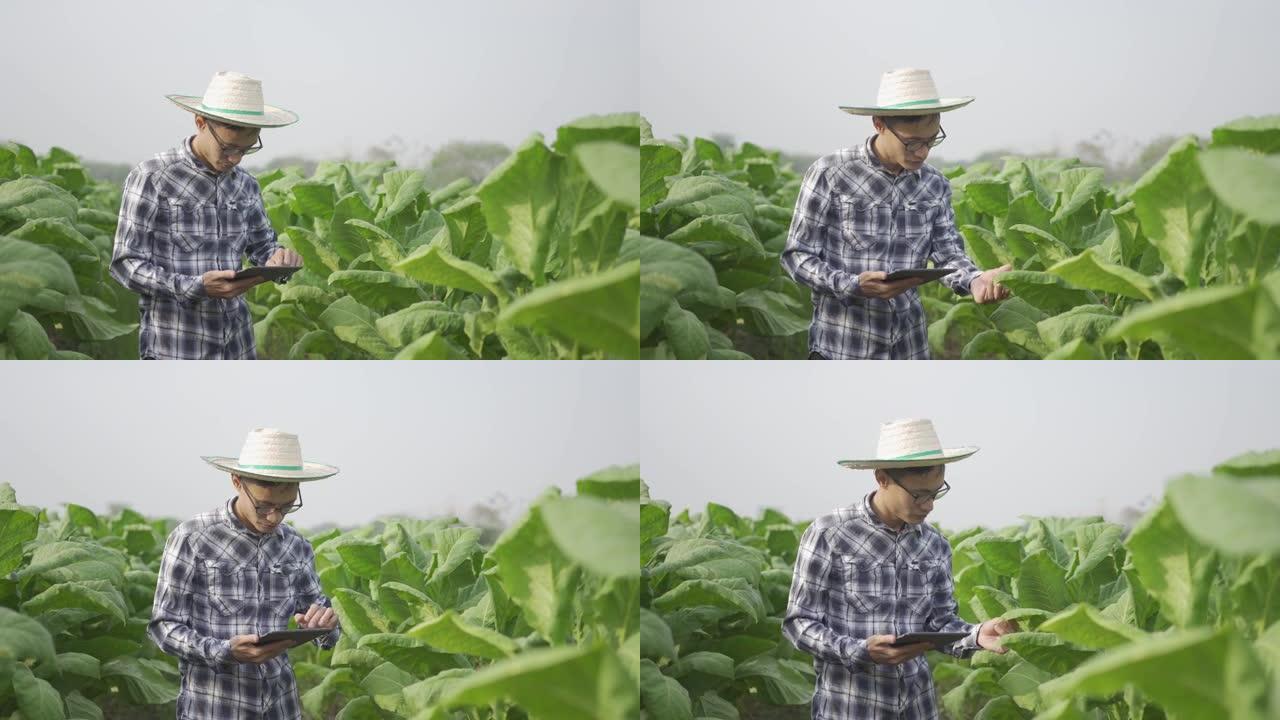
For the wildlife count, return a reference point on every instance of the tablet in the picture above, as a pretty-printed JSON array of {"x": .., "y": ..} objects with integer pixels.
[
  {"x": 936, "y": 638},
  {"x": 270, "y": 272},
  {"x": 298, "y": 636},
  {"x": 926, "y": 273}
]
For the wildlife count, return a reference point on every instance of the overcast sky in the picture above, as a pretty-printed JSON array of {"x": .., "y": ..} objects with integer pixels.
[
  {"x": 94, "y": 74},
  {"x": 1044, "y": 74},
  {"x": 421, "y": 439},
  {"x": 1056, "y": 438}
]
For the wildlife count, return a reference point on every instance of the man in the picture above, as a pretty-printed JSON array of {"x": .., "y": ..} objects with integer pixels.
[
  {"x": 236, "y": 573},
  {"x": 188, "y": 217},
  {"x": 866, "y": 211},
  {"x": 874, "y": 571}
]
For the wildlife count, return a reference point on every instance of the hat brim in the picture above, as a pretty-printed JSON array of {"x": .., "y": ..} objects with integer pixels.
[
  {"x": 309, "y": 471},
  {"x": 271, "y": 116},
  {"x": 948, "y": 455},
  {"x": 940, "y": 105}
]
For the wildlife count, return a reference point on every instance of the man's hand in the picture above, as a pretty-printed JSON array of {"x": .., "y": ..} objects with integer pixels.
[
  {"x": 244, "y": 649},
  {"x": 317, "y": 617},
  {"x": 872, "y": 284},
  {"x": 990, "y": 632},
  {"x": 878, "y": 647},
  {"x": 987, "y": 289},
  {"x": 286, "y": 257},
  {"x": 218, "y": 284}
]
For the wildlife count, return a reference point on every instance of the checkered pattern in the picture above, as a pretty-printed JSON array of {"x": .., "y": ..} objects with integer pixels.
[
  {"x": 179, "y": 220},
  {"x": 219, "y": 579},
  {"x": 854, "y": 578},
  {"x": 853, "y": 216}
]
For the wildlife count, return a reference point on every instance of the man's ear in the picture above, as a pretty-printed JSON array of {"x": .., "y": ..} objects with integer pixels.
[{"x": 882, "y": 478}]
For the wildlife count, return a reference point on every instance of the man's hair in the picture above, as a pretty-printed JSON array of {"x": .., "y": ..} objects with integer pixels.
[
  {"x": 897, "y": 121},
  {"x": 900, "y": 474}
]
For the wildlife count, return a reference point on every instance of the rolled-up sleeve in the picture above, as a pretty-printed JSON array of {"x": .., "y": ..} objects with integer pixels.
[
  {"x": 805, "y": 623},
  {"x": 133, "y": 253},
  {"x": 170, "y": 627},
  {"x": 814, "y": 225}
]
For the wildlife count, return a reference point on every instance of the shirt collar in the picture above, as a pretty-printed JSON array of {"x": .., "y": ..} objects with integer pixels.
[
  {"x": 189, "y": 154},
  {"x": 233, "y": 521},
  {"x": 874, "y": 161},
  {"x": 871, "y": 517}
]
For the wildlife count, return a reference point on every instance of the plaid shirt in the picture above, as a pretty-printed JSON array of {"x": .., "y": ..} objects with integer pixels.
[
  {"x": 853, "y": 216},
  {"x": 855, "y": 578},
  {"x": 179, "y": 220},
  {"x": 219, "y": 579}
]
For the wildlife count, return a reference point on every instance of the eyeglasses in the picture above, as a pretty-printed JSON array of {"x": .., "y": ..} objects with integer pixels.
[
  {"x": 920, "y": 497},
  {"x": 265, "y": 509},
  {"x": 915, "y": 146},
  {"x": 229, "y": 150}
]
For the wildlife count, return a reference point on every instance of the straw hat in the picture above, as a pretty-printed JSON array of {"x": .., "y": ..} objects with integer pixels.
[
  {"x": 271, "y": 455},
  {"x": 909, "y": 91},
  {"x": 237, "y": 99},
  {"x": 909, "y": 443}
]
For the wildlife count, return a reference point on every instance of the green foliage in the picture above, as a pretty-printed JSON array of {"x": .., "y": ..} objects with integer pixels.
[
  {"x": 1183, "y": 264},
  {"x": 435, "y": 625},
  {"x": 1178, "y": 617}
]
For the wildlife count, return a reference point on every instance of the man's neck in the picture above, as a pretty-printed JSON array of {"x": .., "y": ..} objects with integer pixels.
[
  {"x": 889, "y": 167},
  {"x": 200, "y": 155},
  {"x": 235, "y": 508},
  {"x": 876, "y": 507}
]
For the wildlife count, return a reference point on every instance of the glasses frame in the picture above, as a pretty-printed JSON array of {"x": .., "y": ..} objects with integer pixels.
[
  {"x": 913, "y": 146},
  {"x": 227, "y": 149},
  {"x": 282, "y": 509},
  {"x": 920, "y": 497}
]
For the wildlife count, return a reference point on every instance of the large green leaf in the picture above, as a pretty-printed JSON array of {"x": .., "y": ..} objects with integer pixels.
[
  {"x": 569, "y": 683},
  {"x": 519, "y": 204},
  {"x": 1049, "y": 293},
  {"x": 1174, "y": 567},
  {"x": 377, "y": 289},
  {"x": 37, "y": 699},
  {"x": 355, "y": 324},
  {"x": 1200, "y": 673},
  {"x": 451, "y": 634},
  {"x": 30, "y": 198},
  {"x": 614, "y": 168},
  {"x": 24, "y": 640},
  {"x": 667, "y": 270},
  {"x": 434, "y": 265},
  {"x": 1233, "y": 517},
  {"x": 599, "y": 311},
  {"x": 1216, "y": 323},
  {"x": 1091, "y": 271},
  {"x": 1175, "y": 207},
  {"x": 658, "y": 161},
  {"x": 1245, "y": 181},
  {"x": 1083, "y": 625},
  {"x": 662, "y": 696},
  {"x": 614, "y": 529}
]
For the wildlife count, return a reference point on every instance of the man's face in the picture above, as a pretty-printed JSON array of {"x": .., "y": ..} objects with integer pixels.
[
  {"x": 224, "y": 146},
  {"x": 892, "y": 143},
  {"x": 898, "y": 495},
  {"x": 263, "y": 505}
]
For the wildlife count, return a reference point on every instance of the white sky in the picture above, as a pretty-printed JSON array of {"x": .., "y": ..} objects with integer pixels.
[
  {"x": 1045, "y": 74},
  {"x": 420, "y": 439},
  {"x": 93, "y": 75},
  {"x": 1056, "y": 438}
]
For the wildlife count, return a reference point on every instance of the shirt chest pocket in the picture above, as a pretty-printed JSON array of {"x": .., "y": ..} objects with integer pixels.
[
  {"x": 874, "y": 586},
  {"x": 238, "y": 589},
  {"x": 206, "y": 227},
  {"x": 914, "y": 223},
  {"x": 865, "y": 224}
]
